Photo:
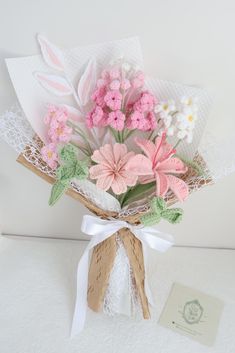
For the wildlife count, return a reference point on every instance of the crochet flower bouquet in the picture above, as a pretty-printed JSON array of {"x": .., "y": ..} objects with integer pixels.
[{"x": 124, "y": 145}]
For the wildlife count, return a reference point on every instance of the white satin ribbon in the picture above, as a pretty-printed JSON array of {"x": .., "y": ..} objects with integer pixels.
[{"x": 100, "y": 230}]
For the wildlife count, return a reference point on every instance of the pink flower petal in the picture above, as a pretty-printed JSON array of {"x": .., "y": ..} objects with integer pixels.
[
  {"x": 126, "y": 158},
  {"x": 119, "y": 185},
  {"x": 162, "y": 184},
  {"x": 98, "y": 157},
  {"x": 98, "y": 171},
  {"x": 139, "y": 165},
  {"x": 119, "y": 150},
  {"x": 147, "y": 179},
  {"x": 166, "y": 152},
  {"x": 147, "y": 147},
  {"x": 104, "y": 182},
  {"x": 158, "y": 145},
  {"x": 173, "y": 165},
  {"x": 107, "y": 152},
  {"x": 179, "y": 187},
  {"x": 130, "y": 179},
  {"x": 104, "y": 155}
]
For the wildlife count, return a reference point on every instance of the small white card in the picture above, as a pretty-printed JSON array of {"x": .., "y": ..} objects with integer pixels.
[{"x": 192, "y": 313}]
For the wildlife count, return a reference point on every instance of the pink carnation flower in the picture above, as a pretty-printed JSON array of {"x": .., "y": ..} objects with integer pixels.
[
  {"x": 159, "y": 165},
  {"x": 113, "y": 99},
  {"x": 110, "y": 170},
  {"x": 145, "y": 103},
  {"x": 116, "y": 120},
  {"x": 49, "y": 155}
]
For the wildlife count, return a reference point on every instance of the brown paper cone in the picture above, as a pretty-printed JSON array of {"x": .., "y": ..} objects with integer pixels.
[{"x": 102, "y": 261}]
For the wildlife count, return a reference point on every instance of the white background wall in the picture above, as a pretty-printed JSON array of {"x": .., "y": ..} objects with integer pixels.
[{"x": 188, "y": 41}]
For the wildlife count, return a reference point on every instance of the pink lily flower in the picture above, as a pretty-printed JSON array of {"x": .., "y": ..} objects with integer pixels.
[{"x": 159, "y": 165}]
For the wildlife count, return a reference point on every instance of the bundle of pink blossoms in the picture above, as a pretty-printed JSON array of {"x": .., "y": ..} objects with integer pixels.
[
  {"x": 130, "y": 116},
  {"x": 120, "y": 104}
]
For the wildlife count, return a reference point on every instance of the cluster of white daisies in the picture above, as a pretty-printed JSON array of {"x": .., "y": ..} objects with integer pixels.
[{"x": 178, "y": 120}]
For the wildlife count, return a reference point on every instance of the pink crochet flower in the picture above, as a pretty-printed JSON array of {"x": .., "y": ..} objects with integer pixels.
[
  {"x": 146, "y": 102},
  {"x": 116, "y": 120},
  {"x": 98, "y": 96},
  {"x": 110, "y": 170},
  {"x": 55, "y": 113},
  {"x": 125, "y": 84},
  {"x": 113, "y": 99},
  {"x": 159, "y": 165},
  {"x": 114, "y": 73},
  {"x": 96, "y": 117},
  {"x": 49, "y": 155},
  {"x": 150, "y": 122},
  {"x": 60, "y": 132},
  {"x": 115, "y": 85},
  {"x": 136, "y": 121}
]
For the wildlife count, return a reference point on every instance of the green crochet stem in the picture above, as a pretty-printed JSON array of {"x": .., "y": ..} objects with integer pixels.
[
  {"x": 70, "y": 169},
  {"x": 159, "y": 210}
]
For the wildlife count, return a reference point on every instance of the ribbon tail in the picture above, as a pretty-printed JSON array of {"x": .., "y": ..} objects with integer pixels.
[{"x": 80, "y": 310}]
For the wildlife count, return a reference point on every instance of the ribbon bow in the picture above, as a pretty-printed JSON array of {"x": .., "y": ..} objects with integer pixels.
[{"x": 100, "y": 230}]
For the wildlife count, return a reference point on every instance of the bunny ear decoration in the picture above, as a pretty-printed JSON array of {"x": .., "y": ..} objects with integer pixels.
[
  {"x": 51, "y": 54},
  {"x": 87, "y": 82},
  {"x": 57, "y": 85}
]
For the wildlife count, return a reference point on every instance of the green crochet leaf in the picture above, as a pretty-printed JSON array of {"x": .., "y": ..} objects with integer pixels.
[
  {"x": 159, "y": 210},
  {"x": 57, "y": 191},
  {"x": 150, "y": 219},
  {"x": 72, "y": 168},
  {"x": 68, "y": 154},
  {"x": 158, "y": 204},
  {"x": 77, "y": 169},
  {"x": 81, "y": 170},
  {"x": 66, "y": 172},
  {"x": 173, "y": 215}
]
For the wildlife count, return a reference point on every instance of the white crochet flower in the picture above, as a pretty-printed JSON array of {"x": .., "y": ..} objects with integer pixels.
[
  {"x": 190, "y": 102},
  {"x": 165, "y": 109},
  {"x": 186, "y": 119},
  {"x": 186, "y": 122}
]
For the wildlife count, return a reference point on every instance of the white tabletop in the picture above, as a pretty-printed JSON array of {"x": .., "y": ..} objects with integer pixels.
[{"x": 37, "y": 293}]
